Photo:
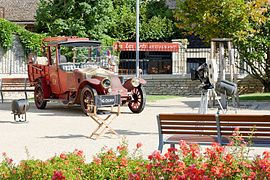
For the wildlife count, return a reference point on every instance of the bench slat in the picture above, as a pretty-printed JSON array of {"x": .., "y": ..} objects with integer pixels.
[
  {"x": 189, "y": 132},
  {"x": 187, "y": 123},
  {"x": 251, "y": 129},
  {"x": 188, "y": 117},
  {"x": 189, "y": 128},
  {"x": 244, "y": 118},
  {"x": 254, "y": 134},
  {"x": 250, "y": 124}
]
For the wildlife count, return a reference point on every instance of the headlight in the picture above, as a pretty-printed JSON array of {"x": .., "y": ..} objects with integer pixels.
[
  {"x": 135, "y": 82},
  {"x": 106, "y": 83}
]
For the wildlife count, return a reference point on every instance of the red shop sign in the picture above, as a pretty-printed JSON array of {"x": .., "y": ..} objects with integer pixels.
[{"x": 146, "y": 46}]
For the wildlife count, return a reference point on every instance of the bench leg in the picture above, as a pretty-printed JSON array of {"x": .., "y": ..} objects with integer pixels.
[
  {"x": 2, "y": 98},
  {"x": 160, "y": 146},
  {"x": 172, "y": 145},
  {"x": 25, "y": 95}
]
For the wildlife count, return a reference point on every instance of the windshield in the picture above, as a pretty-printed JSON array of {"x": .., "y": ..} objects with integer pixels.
[{"x": 85, "y": 55}]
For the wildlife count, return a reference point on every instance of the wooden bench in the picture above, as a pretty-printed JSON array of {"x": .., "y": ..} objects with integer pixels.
[
  {"x": 205, "y": 129},
  {"x": 14, "y": 85}
]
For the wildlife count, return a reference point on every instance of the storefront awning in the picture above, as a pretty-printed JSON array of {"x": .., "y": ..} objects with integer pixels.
[{"x": 147, "y": 46}]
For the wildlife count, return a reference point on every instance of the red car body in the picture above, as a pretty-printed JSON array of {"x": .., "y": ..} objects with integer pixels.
[{"x": 71, "y": 71}]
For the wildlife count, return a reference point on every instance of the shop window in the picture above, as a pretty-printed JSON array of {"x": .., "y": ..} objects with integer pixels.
[{"x": 150, "y": 62}]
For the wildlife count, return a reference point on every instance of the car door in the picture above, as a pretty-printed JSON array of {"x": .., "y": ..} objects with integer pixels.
[{"x": 53, "y": 70}]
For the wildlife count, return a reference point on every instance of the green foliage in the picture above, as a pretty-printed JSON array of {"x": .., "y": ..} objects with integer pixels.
[
  {"x": 187, "y": 162},
  {"x": 247, "y": 22},
  {"x": 69, "y": 18},
  {"x": 212, "y": 18},
  {"x": 255, "y": 97},
  {"x": 29, "y": 40},
  {"x": 105, "y": 20}
]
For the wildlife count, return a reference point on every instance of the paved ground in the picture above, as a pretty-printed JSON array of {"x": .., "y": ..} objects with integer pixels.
[{"x": 62, "y": 129}]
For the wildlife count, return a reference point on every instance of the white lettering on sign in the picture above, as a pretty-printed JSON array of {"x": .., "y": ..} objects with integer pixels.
[
  {"x": 148, "y": 46},
  {"x": 106, "y": 101}
]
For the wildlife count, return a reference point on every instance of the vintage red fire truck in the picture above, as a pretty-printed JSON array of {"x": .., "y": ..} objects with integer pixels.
[{"x": 73, "y": 70}]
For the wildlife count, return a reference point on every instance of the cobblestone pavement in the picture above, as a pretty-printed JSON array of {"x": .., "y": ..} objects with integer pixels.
[{"x": 62, "y": 129}]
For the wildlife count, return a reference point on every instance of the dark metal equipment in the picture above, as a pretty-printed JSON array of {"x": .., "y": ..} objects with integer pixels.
[
  {"x": 19, "y": 108},
  {"x": 226, "y": 87}
]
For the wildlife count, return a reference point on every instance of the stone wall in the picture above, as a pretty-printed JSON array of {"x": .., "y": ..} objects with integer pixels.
[
  {"x": 171, "y": 85},
  {"x": 184, "y": 86}
]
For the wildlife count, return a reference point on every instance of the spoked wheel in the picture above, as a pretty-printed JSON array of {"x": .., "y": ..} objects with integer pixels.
[
  {"x": 87, "y": 98},
  {"x": 137, "y": 104},
  {"x": 39, "y": 97}
]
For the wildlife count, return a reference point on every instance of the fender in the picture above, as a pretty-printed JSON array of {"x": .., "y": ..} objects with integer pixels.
[
  {"x": 129, "y": 86},
  {"x": 91, "y": 82}
]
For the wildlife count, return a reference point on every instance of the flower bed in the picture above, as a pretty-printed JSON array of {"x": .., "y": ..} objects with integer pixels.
[{"x": 187, "y": 162}]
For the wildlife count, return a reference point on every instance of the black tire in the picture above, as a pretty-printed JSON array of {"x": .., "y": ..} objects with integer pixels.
[
  {"x": 39, "y": 97},
  {"x": 137, "y": 104},
  {"x": 87, "y": 98}
]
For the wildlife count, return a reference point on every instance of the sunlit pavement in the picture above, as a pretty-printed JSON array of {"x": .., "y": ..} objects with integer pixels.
[{"x": 63, "y": 129}]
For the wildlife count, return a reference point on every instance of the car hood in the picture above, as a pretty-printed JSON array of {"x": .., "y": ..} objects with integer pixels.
[{"x": 95, "y": 71}]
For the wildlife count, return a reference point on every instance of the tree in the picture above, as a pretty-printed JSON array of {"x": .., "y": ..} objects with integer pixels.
[
  {"x": 105, "y": 19},
  {"x": 74, "y": 17},
  {"x": 246, "y": 21}
]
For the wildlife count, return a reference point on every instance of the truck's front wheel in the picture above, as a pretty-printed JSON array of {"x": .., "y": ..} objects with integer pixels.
[
  {"x": 87, "y": 98},
  {"x": 39, "y": 97}
]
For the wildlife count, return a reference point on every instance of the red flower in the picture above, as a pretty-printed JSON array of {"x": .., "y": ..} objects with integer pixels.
[
  {"x": 63, "y": 156},
  {"x": 139, "y": 145},
  {"x": 78, "y": 152},
  {"x": 97, "y": 160},
  {"x": 157, "y": 155},
  {"x": 121, "y": 148},
  {"x": 124, "y": 162},
  {"x": 266, "y": 154},
  {"x": 57, "y": 175},
  {"x": 228, "y": 158},
  {"x": 217, "y": 171},
  {"x": 252, "y": 175}
]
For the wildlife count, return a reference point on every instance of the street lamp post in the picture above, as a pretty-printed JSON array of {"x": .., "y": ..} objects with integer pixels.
[{"x": 137, "y": 36}]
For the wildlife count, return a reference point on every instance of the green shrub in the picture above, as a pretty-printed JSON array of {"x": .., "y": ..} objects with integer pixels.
[{"x": 187, "y": 162}]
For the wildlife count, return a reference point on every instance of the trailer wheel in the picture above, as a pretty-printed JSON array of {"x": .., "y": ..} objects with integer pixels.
[{"x": 39, "y": 97}]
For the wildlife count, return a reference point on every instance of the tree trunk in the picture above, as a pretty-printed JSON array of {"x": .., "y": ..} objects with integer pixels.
[{"x": 266, "y": 87}]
